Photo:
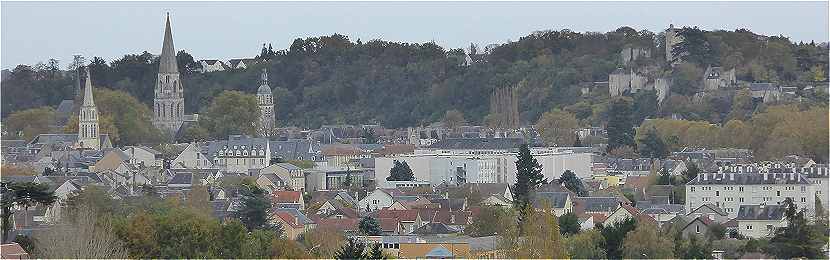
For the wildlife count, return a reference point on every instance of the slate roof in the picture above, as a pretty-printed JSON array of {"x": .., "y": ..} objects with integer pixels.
[
  {"x": 599, "y": 204},
  {"x": 478, "y": 143},
  {"x": 288, "y": 166},
  {"x": 754, "y": 178},
  {"x": 756, "y": 212},
  {"x": 182, "y": 178},
  {"x": 712, "y": 207},
  {"x": 296, "y": 150},
  {"x": 434, "y": 228},
  {"x": 556, "y": 199},
  {"x": 251, "y": 143}
]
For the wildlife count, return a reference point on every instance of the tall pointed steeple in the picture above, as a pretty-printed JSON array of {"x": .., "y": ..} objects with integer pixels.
[
  {"x": 168, "y": 104},
  {"x": 168, "y": 53},
  {"x": 88, "y": 136},
  {"x": 88, "y": 99}
]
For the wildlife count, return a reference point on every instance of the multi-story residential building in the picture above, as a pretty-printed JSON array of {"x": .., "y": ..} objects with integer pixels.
[
  {"x": 456, "y": 161},
  {"x": 240, "y": 154},
  {"x": 293, "y": 176},
  {"x": 731, "y": 190}
]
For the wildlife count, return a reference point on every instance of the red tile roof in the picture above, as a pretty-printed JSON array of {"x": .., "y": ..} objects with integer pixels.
[
  {"x": 286, "y": 197},
  {"x": 389, "y": 224},
  {"x": 408, "y": 215},
  {"x": 288, "y": 218}
]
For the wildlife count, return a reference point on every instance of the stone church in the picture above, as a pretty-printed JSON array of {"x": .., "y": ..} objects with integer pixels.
[
  {"x": 168, "y": 102},
  {"x": 265, "y": 101}
]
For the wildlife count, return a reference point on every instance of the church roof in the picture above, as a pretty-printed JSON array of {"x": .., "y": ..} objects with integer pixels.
[
  {"x": 88, "y": 101},
  {"x": 167, "y": 61},
  {"x": 264, "y": 89}
]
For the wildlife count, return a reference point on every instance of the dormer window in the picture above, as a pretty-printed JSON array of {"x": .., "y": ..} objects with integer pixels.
[
  {"x": 244, "y": 152},
  {"x": 238, "y": 153}
]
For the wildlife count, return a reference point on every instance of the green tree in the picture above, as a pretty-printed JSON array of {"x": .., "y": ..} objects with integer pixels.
[
  {"x": 255, "y": 207},
  {"x": 644, "y": 105},
  {"x": 232, "y": 235},
  {"x": 528, "y": 177},
  {"x": 569, "y": 224},
  {"x": 353, "y": 249},
  {"x": 231, "y": 112},
  {"x": 23, "y": 195},
  {"x": 194, "y": 133},
  {"x": 644, "y": 243},
  {"x": 620, "y": 124},
  {"x": 572, "y": 182},
  {"x": 686, "y": 80},
  {"x": 614, "y": 236},
  {"x": 694, "y": 48},
  {"x": 691, "y": 171},
  {"x": 26, "y": 124},
  {"x": 798, "y": 238},
  {"x": 652, "y": 146},
  {"x": 368, "y": 135},
  {"x": 369, "y": 226},
  {"x": 491, "y": 221},
  {"x": 376, "y": 252},
  {"x": 557, "y": 127},
  {"x": 586, "y": 245},
  {"x": 542, "y": 236},
  {"x": 400, "y": 172},
  {"x": 257, "y": 244}
]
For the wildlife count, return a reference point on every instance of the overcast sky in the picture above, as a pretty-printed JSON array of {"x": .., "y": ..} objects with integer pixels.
[{"x": 37, "y": 31}]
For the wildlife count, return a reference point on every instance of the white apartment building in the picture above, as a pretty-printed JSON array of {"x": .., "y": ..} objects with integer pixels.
[
  {"x": 240, "y": 154},
  {"x": 482, "y": 160},
  {"x": 729, "y": 191}
]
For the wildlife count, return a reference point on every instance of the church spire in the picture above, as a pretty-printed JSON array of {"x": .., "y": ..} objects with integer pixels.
[
  {"x": 88, "y": 100},
  {"x": 168, "y": 53}
]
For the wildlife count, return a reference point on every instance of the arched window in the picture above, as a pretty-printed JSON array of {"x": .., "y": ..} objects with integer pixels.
[{"x": 163, "y": 110}]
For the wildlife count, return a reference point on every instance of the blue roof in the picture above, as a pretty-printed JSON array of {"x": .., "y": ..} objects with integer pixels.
[{"x": 439, "y": 251}]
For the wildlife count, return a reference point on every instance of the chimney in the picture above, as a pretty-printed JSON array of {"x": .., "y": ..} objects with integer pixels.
[
  {"x": 765, "y": 175},
  {"x": 705, "y": 175},
  {"x": 732, "y": 176},
  {"x": 792, "y": 176}
]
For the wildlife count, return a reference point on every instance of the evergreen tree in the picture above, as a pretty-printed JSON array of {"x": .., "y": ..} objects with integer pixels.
[
  {"x": 369, "y": 226},
  {"x": 400, "y": 172},
  {"x": 694, "y": 48},
  {"x": 572, "y": 182},
  {"x": 377, "y": 252},
  {"x": 620, "y": 124},
  {"x": 255, "y": 207},
  {"x": 615, "y": 235},
  {"x": 798, "y": 239},
  {"x": 528, "y": 178},
  {"x": 569, "y": 224},
  {"x": 353, "y": 249},
  {"x": 652, "y": 146}
]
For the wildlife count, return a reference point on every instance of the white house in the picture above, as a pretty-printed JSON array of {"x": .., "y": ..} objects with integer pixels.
[
  {"x": 211, "y": 65},
  {"x": 192, "y": 158},
  {"x": 377, "y": 199},
  {"x": 142, "y": 155},
  {"x": 758, "y": 221}
]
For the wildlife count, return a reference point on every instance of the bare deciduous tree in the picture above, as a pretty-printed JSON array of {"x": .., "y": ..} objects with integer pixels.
[{"x": 80, "y": 236}]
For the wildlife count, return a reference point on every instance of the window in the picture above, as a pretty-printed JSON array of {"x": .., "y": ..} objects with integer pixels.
[
  {"x": 749, "y": 227},
  {"x": 741, "y": 189},
  {"x": 375, "y": 202},
  {"x": 778, "y": 193},
  {"x": 803, "y": 199},
  {"x": 803, "y": 188},
  {"x": 693, "y": 189},
  {"x": 717, "y": 193},
  {"x": 741, "y": 199},
  {"x": 697, "y": 229}
]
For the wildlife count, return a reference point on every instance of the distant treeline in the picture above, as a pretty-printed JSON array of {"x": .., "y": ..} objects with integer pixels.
[{"x": 332, "y": 79}]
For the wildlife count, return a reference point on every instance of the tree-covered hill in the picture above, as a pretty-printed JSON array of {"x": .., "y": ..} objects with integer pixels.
[{"x": 332, "y": 79}]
